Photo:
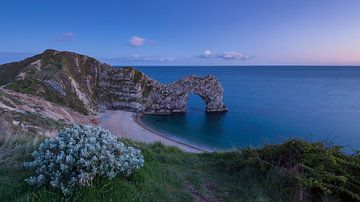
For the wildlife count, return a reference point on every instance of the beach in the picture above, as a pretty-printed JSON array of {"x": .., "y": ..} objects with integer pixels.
[{"x": 127, "y": 125}]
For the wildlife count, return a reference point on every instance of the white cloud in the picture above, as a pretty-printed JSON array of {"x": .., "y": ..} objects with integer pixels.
[
  {"x": 152, "y": 58},
  {"x": 226, "y": 55},
  {"x": 233, "y": 55},
  {"x": 144, "y": 59},
  {"x": 207, "y": 54},
  {"x": 136, "y": 41}
]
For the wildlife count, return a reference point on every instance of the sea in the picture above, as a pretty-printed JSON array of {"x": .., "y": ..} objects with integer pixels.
[{"x": 267, "y": 105}]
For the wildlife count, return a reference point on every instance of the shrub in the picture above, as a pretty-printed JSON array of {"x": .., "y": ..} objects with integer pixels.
[
  {"x": 317, "y": 169},
  {"x": 80, "y": 154}
]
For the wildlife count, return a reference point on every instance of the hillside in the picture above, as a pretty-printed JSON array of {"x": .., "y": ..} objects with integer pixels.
[
  {"x": 85, "y": 85},
  {"x": 31, "y": 115},
  {"x": 54, "y": 82},
  {"x": 60, "y": 77}
]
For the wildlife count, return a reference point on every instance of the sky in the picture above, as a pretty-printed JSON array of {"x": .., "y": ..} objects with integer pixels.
[{"x": 185, "y": 32}]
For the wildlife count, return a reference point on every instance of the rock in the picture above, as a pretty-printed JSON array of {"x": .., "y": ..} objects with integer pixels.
[
  {"x": 173, "y": 97},
  {"x": 87, "y": 85},
  {"x": 56, "y": 86},
  {"x": 16, "y": 123},
  {"x": 143, "y": 94}
]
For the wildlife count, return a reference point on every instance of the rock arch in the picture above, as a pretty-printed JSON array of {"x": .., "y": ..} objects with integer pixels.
[
  {"x": 130, "y": 89},
  {"x": 172, "y": 98},
  {"x": 87, "y": 85}
]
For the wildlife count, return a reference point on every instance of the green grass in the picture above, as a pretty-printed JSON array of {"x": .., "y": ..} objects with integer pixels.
[{"x": 170, "y": 174}]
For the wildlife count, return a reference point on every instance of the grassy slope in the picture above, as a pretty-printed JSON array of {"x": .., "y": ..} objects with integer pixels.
[
  {"x": 168, "y": 175},
  {"x": 57, "y": 67},
  {"x": 9, "y": 71},
  {"x": 37, "y": 88}
]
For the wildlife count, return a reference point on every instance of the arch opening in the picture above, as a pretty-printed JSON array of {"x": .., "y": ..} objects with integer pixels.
[{"x": 195, "y": 103}]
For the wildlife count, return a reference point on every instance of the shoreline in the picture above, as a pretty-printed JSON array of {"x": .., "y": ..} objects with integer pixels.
[
  {"x": 128, "y": 125},
  {"x": 140, "y": 123}
]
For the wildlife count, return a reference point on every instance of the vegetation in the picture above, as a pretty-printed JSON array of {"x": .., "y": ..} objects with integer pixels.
[
  {"x": 36, "y": 120},
  {"x": 317, "y": 170},
  {"x": 137, "y": 75},
  {"x": 78, "y": 156},
  {"x": 6, "y": 101},
  {"x": 10, "y": 99},
  {"x": 172, "y": 175},
  {"x": 36, "y": 87}
]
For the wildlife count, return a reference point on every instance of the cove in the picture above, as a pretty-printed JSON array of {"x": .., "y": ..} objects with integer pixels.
[{"x": 267, "y": 105}]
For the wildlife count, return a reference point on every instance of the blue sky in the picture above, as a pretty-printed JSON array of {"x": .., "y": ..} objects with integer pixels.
[{"x": 185, "y": 32}]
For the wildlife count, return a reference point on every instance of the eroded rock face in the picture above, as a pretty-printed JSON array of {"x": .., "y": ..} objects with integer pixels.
[
  {"x": 170, "y": 98},
  {"x": 84, "y": 84},
  {"x": 129, "y": 89}
]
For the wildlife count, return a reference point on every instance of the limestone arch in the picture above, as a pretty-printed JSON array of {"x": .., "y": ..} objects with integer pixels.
[{"x": 172, "y": 98}]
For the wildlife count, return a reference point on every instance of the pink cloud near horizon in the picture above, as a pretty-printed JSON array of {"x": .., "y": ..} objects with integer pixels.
[{"x": 136, "y": 41}]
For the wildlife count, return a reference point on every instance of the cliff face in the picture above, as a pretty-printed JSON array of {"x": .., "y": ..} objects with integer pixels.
[
  {"x": 85, "y": 85},
  {"x": 170, "y": 98},
  {"x": 130, "y": 89}
]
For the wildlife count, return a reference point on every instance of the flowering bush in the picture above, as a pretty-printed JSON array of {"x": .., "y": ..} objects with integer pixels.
[{"x": 78, "y": 155}]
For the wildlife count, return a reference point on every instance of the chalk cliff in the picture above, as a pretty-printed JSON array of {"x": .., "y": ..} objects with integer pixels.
[{"x": 87, "y": 85}]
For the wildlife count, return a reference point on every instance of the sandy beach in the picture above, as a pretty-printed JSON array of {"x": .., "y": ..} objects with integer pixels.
[{"x": 127, "y": 125}]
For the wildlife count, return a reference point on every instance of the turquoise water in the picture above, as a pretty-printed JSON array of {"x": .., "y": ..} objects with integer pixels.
[{"x": 267, "y": 105}]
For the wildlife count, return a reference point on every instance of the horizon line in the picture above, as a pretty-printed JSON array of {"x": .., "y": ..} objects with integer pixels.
[{"x": 247, "y": 65}]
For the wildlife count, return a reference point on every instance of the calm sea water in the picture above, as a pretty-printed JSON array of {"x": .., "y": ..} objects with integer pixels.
[{"x": 267, "y": 105}]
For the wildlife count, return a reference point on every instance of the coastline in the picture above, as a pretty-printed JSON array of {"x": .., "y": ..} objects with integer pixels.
[{"x": 128, "y": 125}]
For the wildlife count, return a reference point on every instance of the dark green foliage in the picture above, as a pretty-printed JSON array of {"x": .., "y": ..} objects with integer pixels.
[
  {"x": 317, "y": 170},
  {"x": 26, "y": 86}
]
